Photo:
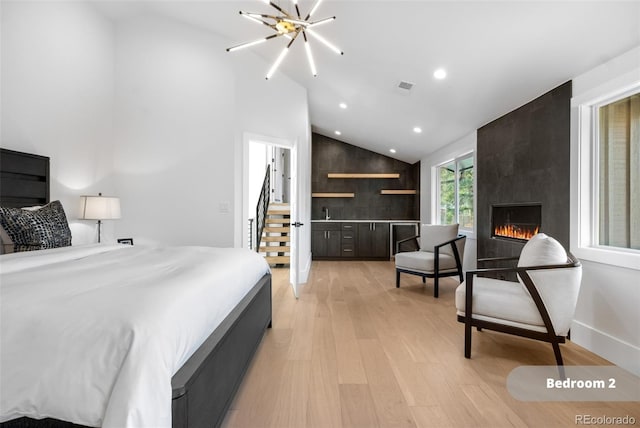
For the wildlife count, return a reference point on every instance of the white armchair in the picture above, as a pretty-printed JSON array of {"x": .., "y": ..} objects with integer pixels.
[
  {"x": 541, "y": 306},
  {"x": 440, "y": 254}
]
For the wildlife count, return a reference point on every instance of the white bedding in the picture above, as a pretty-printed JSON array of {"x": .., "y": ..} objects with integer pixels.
[{"x": 93, "y": 334}]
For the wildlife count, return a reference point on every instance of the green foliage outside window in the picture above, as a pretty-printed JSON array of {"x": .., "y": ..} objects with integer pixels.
[{"x": 458, "y": 198}]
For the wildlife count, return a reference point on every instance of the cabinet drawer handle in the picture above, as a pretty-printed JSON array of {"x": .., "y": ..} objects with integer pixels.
[
  {"x": 346, "y": 250},
  {"x": 347, "y": 237},
  {"x": 347, "y": 227}
]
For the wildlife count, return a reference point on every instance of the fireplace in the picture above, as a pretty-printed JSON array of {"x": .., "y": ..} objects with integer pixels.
[{"x": 517, "y": 222}]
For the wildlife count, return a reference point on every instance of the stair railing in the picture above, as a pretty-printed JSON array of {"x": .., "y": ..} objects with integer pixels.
[
  {"x": 263, "y": 206},
  {"x": 250, "y": 234}
]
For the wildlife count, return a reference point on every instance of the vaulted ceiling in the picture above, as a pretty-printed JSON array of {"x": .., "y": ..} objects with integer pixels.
[{"x": 498, "y": 55}]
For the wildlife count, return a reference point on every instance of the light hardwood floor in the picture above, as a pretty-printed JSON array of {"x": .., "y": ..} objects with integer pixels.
[{"x": 354, "y": 351}]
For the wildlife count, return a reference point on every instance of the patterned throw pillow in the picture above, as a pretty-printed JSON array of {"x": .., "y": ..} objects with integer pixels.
[{"x": 43, "y": 228}]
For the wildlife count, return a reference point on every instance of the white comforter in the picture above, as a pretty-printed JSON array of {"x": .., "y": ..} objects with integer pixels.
[{"x": 93, "y": 334}]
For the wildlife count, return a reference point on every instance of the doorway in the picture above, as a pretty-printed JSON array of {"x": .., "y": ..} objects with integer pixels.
[{"x": 278, "y": 238}]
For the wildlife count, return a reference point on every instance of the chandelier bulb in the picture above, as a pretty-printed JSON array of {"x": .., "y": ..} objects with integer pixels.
[{"x": 276, "y": 64}]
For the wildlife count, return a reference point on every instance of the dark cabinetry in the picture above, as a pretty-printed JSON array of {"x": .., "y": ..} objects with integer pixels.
[
  {"x": 347, "y": 240},
  {"x": 326, "y": 240},
  {"x": 373, "y": 240}
]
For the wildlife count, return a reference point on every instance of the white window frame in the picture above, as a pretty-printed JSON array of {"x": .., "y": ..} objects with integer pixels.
[
  {"x": 586, "y": 242},
  {"x": 469, "y": 154}
]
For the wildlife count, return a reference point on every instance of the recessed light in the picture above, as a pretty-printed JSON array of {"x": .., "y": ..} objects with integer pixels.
[
  {"x": 392, "y": 150},
  {"x": 417, "y": 130},
  {"x": 440, "y": 73},
  {"x": 343, "y": 105},
  {"x": 338, "y": 133}
]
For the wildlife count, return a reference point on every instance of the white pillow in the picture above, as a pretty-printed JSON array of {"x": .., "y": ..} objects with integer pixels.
[{"x": 33, "y": 208}]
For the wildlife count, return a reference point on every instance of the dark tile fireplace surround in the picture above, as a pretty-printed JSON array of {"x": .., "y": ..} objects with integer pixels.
[{"x": 523, "y": 175}]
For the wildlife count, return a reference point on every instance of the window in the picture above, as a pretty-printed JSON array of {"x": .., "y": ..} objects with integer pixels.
[
  {"x": 618, "y": 164},
  {"x": 455, "y": 197},
  {"x": 606, "y": 192}
]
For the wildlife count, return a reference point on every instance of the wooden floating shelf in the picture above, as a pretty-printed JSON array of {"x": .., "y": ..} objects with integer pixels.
[
  {"x": 354, "y": 175},
  {"x": 333, "y": 195},
  {"x": 398, "y": 192}
]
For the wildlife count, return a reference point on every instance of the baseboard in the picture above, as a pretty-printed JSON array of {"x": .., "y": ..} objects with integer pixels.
[{"x": 620, "y": 353}]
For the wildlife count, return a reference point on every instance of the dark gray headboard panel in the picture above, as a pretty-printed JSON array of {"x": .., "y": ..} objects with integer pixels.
[{"x": 24, "y": 179}]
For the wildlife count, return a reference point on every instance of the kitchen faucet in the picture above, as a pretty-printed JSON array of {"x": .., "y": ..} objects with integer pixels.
[{"x": 326, "y": 213}]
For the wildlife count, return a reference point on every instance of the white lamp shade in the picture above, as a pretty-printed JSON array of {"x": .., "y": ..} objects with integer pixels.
[{"x": 99, "y": 208}]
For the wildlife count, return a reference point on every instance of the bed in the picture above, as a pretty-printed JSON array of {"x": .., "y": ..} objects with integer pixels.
[{"x": 148, "y": 376}]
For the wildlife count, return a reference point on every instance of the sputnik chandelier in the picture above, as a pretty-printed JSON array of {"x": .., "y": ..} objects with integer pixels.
[{"x": 289, "y": 26}]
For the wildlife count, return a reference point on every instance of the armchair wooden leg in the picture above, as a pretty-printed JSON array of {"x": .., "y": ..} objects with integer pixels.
[
  {"x": 467, "y": 340},
  {"x": 561, "y": 372},
  {"x": 556, "y": 351},
  {"x": 435, "y": 286},
  {"x": 397, "y": 278}
]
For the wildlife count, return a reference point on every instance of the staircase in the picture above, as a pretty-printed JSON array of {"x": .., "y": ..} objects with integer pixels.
[{"x": 275, "y": 243}]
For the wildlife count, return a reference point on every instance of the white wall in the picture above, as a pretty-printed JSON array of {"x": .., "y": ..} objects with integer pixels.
[
  {"x": 259, "y": 158},
  {"x": 174, "y": 138},
  {"x": 607, "y": 318},
  {"x": 428, "y": 190},
  {"x": 57, "y": 96}
]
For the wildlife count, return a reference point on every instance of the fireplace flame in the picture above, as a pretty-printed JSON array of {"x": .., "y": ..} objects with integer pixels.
[{"x": 516, "y": 232}]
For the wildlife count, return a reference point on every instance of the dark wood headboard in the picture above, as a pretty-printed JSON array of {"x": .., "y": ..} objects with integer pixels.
[{"x": 24, "y": 179}]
